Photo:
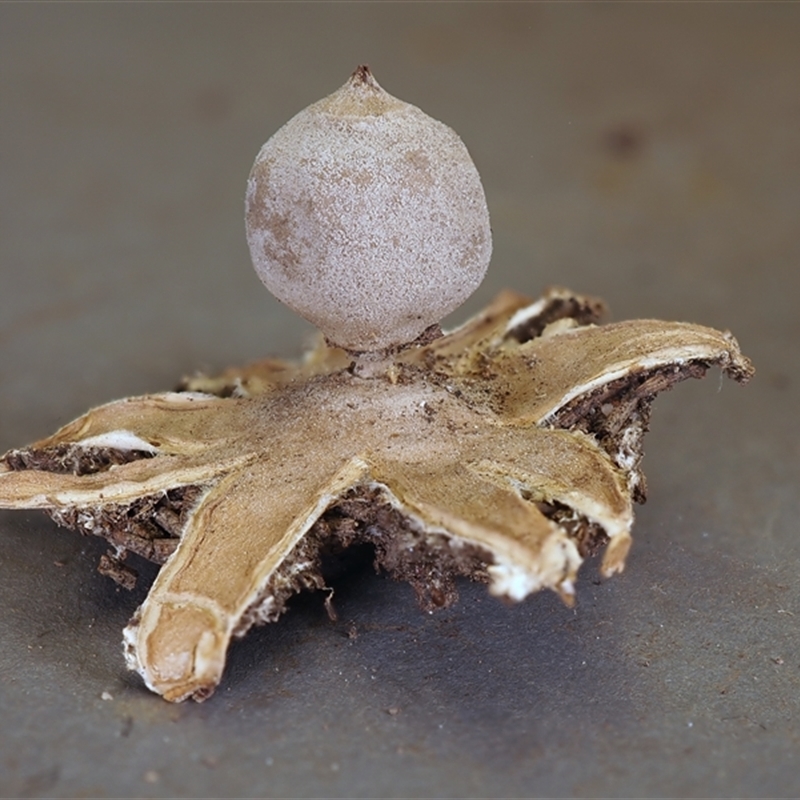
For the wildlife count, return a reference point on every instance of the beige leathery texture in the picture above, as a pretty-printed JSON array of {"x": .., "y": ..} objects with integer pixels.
[{"x": 463, "y": 436}]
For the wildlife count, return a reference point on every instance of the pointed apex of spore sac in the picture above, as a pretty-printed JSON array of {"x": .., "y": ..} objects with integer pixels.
[
  {"x": 367, "y": 217},
  {"x": 361, "y": 75},
  {"x": 361, "y": 96}
]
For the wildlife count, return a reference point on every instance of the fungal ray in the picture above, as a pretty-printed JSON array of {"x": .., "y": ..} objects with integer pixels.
[
  {"x": 238, "y": 534},
  {"x": 505, "y": 451},
  {"x": 579, "y": 361}
]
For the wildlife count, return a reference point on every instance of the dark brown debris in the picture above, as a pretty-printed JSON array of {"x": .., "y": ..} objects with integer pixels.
[
  {"x": 149, "y": 528},
  {"x": 617, "y": 415},
  {"x": 560, "y": 305},
  {"x": 72, "y": 459}
]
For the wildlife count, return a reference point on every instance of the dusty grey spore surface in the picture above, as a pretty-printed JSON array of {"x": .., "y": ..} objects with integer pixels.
[
  {"x": 367, "y": 217},
  {"x": 645, "y": 154}
]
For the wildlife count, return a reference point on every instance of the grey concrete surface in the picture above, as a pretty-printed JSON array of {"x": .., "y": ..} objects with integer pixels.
[{"x": 647, "y": 153}]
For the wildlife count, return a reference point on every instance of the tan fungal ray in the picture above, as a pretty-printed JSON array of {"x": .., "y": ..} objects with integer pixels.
[
  {"x": 561, "y": 466},
  {"x": 556, "y": 305},
  {"x": 509, "y": 313},
  {"x": 545, "y": 374},
  {"x": 569, "y": 468},
  {"x": 452, "y": 435},
  {"x": 527, "y": 552},
  {"x": 169, "y": 423},
  {"x": 239, "y": 534},
  {"x": 510, "y": 316},
  {"x": 486, "y": 326},
  {"x": 507, "y": 450},
  {"x": 121, "y": 484},
  {"x": 270, "y": 374},
  {"x": 257, "y": 378}
]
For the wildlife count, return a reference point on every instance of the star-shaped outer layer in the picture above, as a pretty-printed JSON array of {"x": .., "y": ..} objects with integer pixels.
[{"x": 504, "y": 451}]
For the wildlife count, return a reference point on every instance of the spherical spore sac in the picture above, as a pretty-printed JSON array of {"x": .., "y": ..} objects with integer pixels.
[{"x": 367, "y": 217}]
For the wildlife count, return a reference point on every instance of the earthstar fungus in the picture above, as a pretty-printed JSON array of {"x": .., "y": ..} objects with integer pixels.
[{"x": 506, "y": 450}]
